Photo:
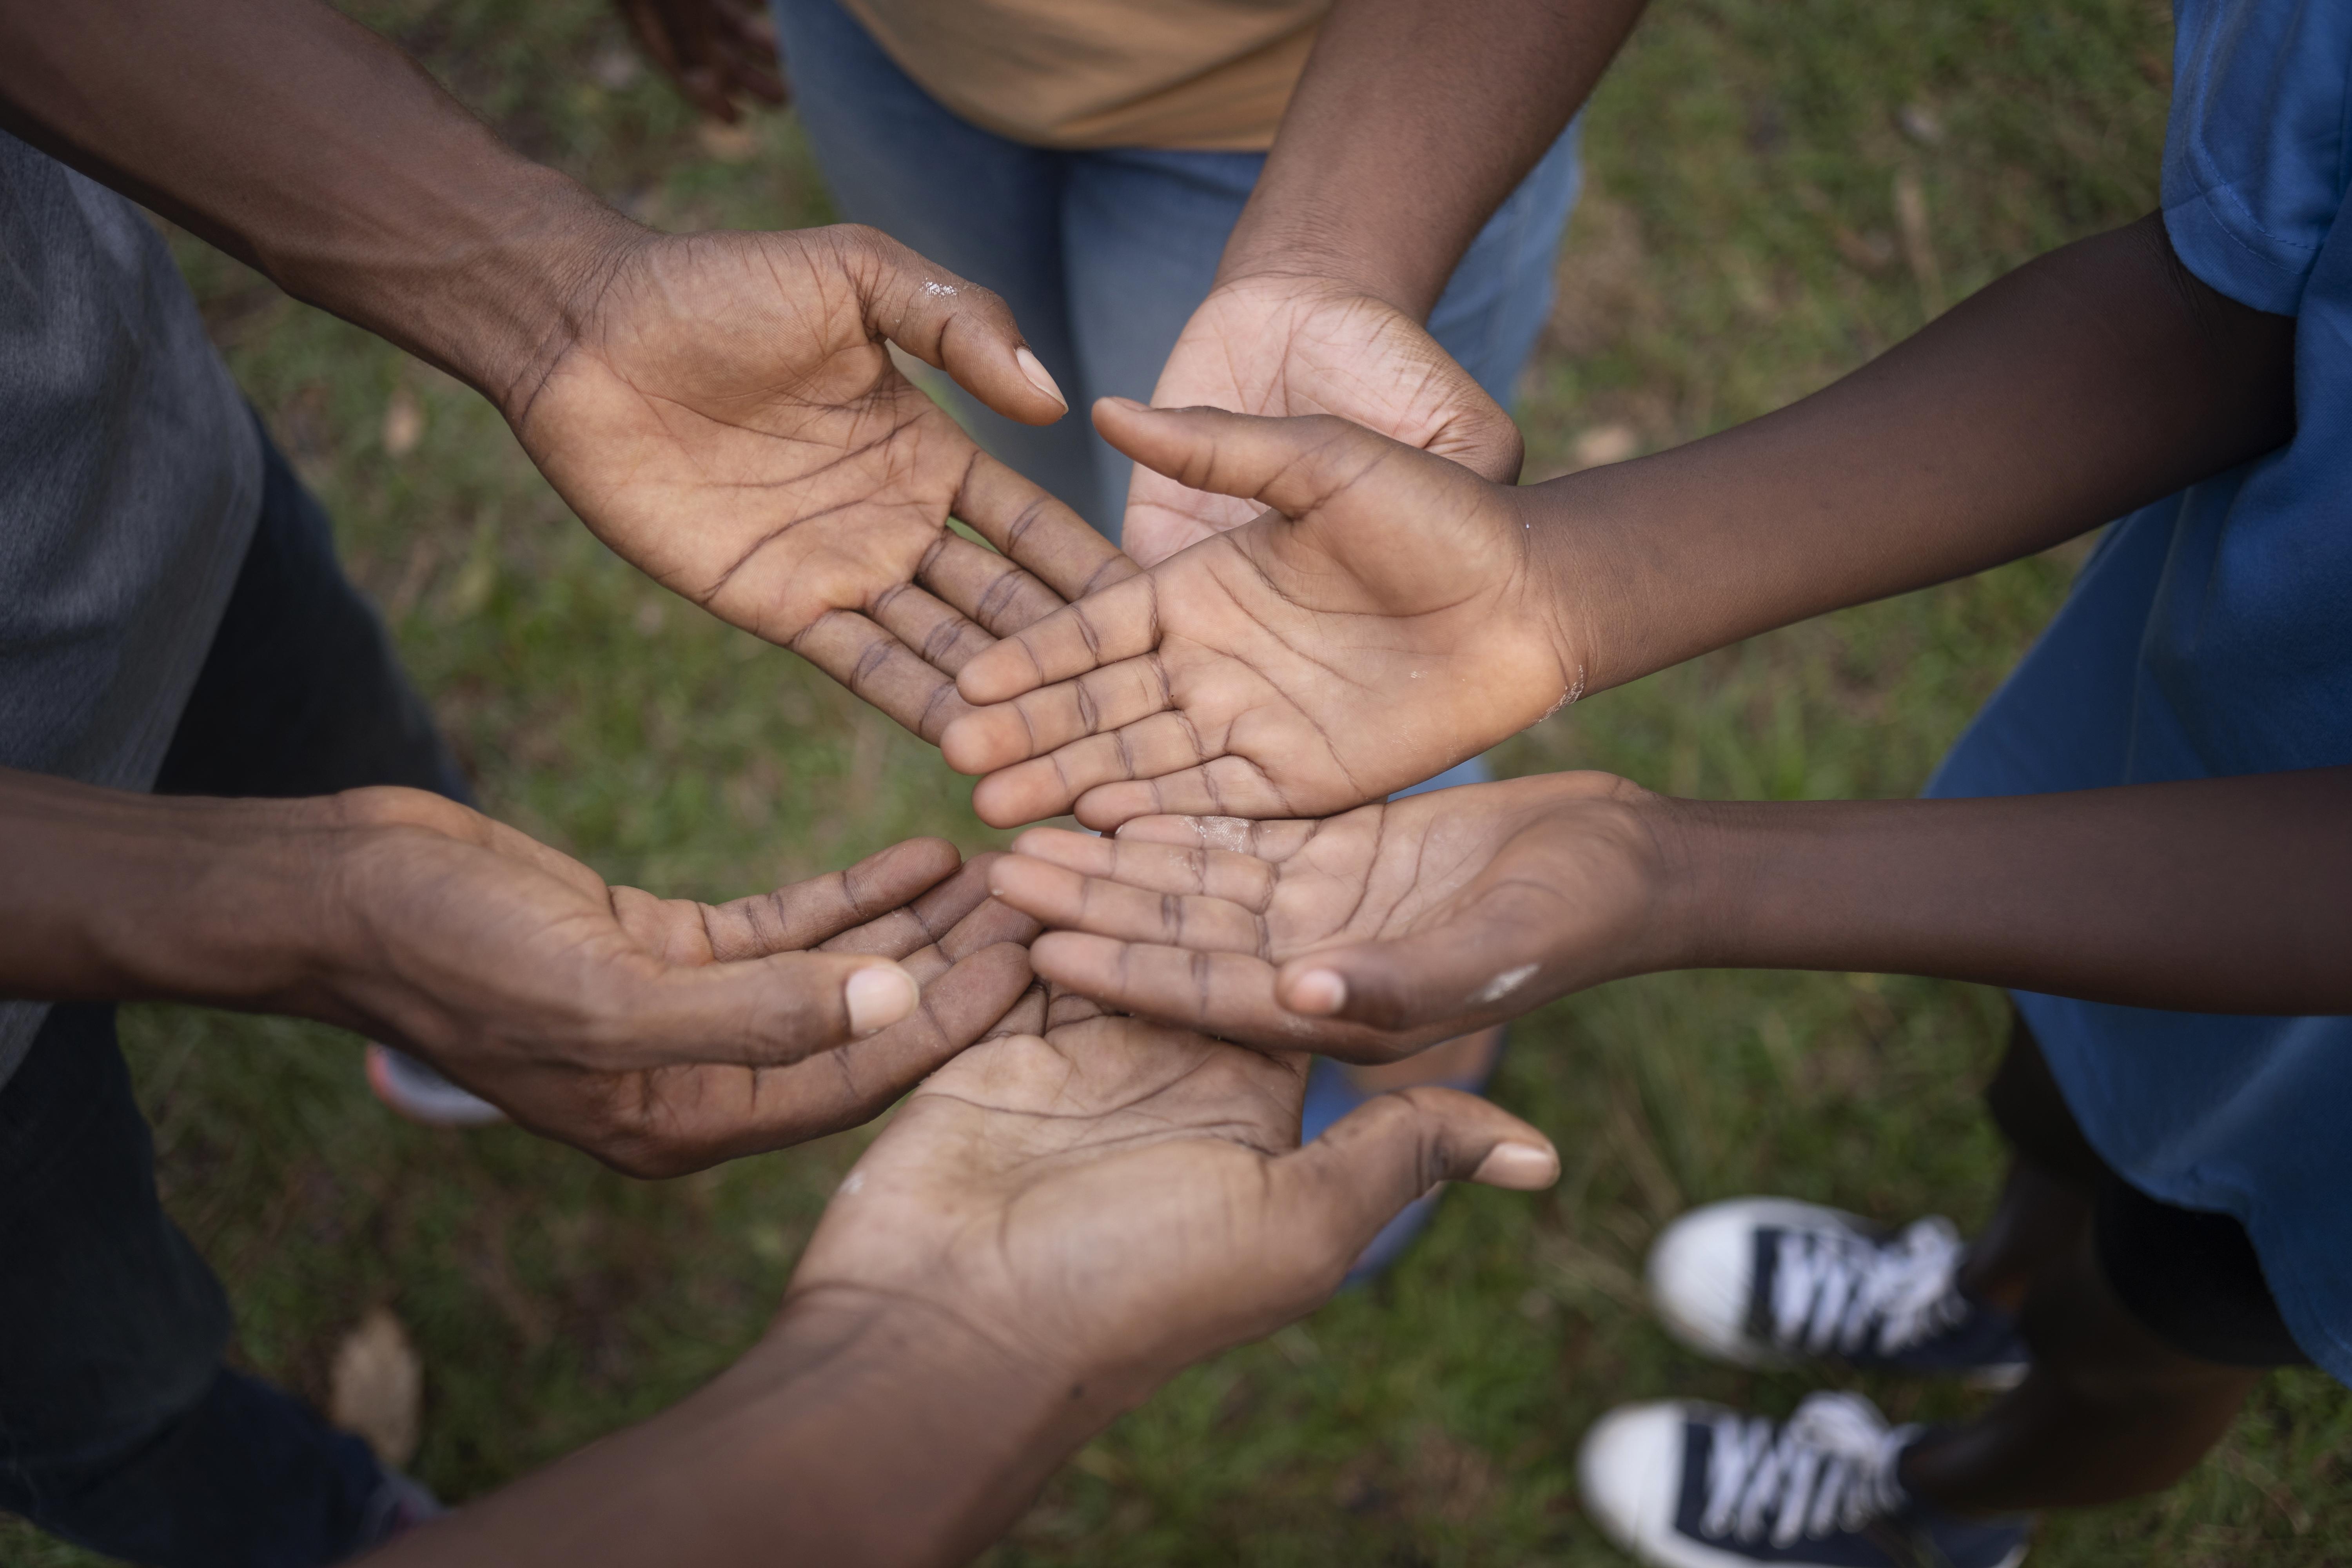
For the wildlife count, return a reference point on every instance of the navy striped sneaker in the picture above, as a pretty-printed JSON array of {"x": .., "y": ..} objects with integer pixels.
[
  {"x": 1685, "y": 1485},
  {"x": 1774, "y": 1282}
]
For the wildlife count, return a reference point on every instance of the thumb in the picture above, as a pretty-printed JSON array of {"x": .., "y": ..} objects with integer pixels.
[
  {"x": 1368, "y": 1165},
  {"x": 1486, "y": 964},
  {"x": 763, "y": 1012},
  {"x": 1294, "y": 465},
  {"x": 956, "y": 326}
]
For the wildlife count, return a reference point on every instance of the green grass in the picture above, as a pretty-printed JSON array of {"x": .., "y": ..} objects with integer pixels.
[{"x": 1743, "y": 241}]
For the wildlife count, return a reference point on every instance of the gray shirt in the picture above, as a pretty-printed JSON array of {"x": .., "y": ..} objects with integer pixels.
[{"x": 130, "y": 480}]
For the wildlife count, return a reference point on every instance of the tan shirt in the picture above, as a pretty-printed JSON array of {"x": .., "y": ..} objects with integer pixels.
[{"x": 1207, "y": 74}]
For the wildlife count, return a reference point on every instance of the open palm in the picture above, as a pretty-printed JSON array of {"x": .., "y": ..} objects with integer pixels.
[
  {"x": 1283, "y": 345},
  {"x": 1435, "y": 914},
  {"x": 660, "y": 1034},
  {"x": 1388, "y": 619},
  {"x": 726, "y": 416},
  {"x": 1114, "y": 1198}
]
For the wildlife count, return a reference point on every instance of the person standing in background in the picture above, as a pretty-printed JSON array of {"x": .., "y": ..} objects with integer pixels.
[{"x": 1274, "y": 207}]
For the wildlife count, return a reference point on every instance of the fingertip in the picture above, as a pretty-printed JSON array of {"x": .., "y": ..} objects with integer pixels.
[
  {"x": 1060, "y": 956},
  {"x": 1316, "y": 992},
  {"x": 1519, "y": 1167},
  {"x": 1013, "y": 879},
  {"x": 961, "y": 749},
  {"x": 877, "y": 996},
  {"x": 1108, "y": 807},
  {"x": 1041, "y": 378},
  {"x": 1001, "y": 801},
  {"x": 991, "y": 677}
]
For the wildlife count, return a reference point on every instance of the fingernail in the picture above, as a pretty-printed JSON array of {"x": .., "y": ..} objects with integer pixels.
[
  {"x": 879, "y": 997},
  {"x": 1519, "y": 1167},
  {"x": 1128, "y": 403},
  {"x": 1318, "y": 992},
  {"x": 1036, "y": 371}
]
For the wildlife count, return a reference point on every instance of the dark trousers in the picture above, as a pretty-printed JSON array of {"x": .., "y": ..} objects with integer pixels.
[{"x": 120, "y": 1430}]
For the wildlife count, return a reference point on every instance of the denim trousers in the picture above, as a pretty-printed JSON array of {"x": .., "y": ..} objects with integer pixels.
[
  {"x": 122, "y": 1429},
  {"x": 1104, "y": 254}
]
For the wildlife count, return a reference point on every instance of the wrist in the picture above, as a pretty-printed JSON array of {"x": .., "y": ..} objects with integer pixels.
[
  {"x": 1313, "y": 252},
  {"x": 116, "y": 896},
  {"x": 492, "y": 281},
  {"x": 1586, "y": 568},
  {"x": 1698, "y": 897},
  {"x": 935, "y": 1436}
]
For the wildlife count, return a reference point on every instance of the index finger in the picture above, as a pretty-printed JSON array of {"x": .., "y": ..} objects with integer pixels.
[{"x": 1121, "y": 621}]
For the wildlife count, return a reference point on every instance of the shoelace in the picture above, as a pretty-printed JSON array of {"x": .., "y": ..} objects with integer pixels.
[
  {"x": 1830, "y": 1467},
  {"x": 1837, "y": 1291}
]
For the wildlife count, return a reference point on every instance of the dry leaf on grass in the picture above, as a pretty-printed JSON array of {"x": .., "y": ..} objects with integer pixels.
[
  {"x": 377, "y": 1387},
  {"x": 404, "y": 422}
]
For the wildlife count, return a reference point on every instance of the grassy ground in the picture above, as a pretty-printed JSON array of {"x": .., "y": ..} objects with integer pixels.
[{"x": 1781, "y": 188}]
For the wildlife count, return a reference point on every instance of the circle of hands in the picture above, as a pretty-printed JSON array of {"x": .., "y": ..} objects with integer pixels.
[{"x": 1321, "y": 612}]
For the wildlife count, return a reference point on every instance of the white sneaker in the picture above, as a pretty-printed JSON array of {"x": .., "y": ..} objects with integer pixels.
[
  {"x": 1771, "y": 1281},
  {"x": 1686, "y": 1485}
]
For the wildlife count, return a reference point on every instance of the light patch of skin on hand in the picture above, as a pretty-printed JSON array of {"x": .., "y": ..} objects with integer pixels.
[
  {"x": 850, "y": 1184},
  {"x": 1503, "y": 985},
  {"x": 1567, "y": 697},
  {"x": 1228, "y": 833}
]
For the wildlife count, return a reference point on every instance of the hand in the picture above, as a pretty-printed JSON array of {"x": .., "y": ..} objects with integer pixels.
[
  {"x": 660, "y": 1035},
  {"x": 1364, "y": 936},
  {"x": 713, "y": 49},
  {"x": 1289, "y": 345},
  {"x": 1110, "y": 1200},
  {"x": 723, "y": 412},
  {"x": 1394, "y": 615},
  {"x": 1051, "y": 1226}
]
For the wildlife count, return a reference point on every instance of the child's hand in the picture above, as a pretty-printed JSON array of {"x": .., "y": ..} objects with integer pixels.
[
  {"x": 1287, "y": 345},
  {"x": 1390, "y": 619},
  {"x": 1365, "y": 936}
]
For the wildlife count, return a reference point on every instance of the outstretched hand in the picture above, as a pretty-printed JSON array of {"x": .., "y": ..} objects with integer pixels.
[
  {"x": 1056, "y": 1222},
  {"x": 1107, "y": 1199},
  {"x": 1393, "y": 616},
  {"x": 1364, "y": 936},
  {"x": 660, "y": 1035},
  {"x": 723, "y": 412},
  {"x": 1289, "y": 346}
]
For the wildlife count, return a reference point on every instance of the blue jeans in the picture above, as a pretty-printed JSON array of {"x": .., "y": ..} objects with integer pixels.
[
  {"x": 120, "y": 1430},
  {"x": 1103, "y": 255}
]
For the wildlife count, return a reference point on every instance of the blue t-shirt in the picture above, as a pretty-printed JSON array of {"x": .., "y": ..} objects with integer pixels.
[{"x": 2211, "y": 635}]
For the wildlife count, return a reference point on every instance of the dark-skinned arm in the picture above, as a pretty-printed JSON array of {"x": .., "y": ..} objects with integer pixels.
[
  {"x": 2088, "y": 383},
  {"x": 720, "y": 408},
  {"x": 1050, "y": 1228},
  {"x": 1395, "y": 614},
  {"x": 1410, "y": 125},
  {"x": 657, "y": 1033},
  {"x": 1370, "y": 934}
]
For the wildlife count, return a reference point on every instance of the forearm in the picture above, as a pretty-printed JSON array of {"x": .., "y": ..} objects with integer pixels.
[
  {"x": 853, "y": 1435},
  {"x": 303, "y": 143},
  {"x": 110, "y": 895},
  {"x": 2223, "y": 895},
  {"x": 2099, "y": 378},
  {"x": 1410, "y": 126}
]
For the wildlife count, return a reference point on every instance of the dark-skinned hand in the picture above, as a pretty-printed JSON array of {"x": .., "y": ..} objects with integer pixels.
[
  {"x": 1389, "y": 617},
  {"x": 660, "y": 1035},
  {"x": 722, "y": 410},
  {"x": 1364, "y": 936}
]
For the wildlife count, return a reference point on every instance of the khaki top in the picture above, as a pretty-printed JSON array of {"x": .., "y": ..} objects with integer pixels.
[{"x": 1206, "y": 74}]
